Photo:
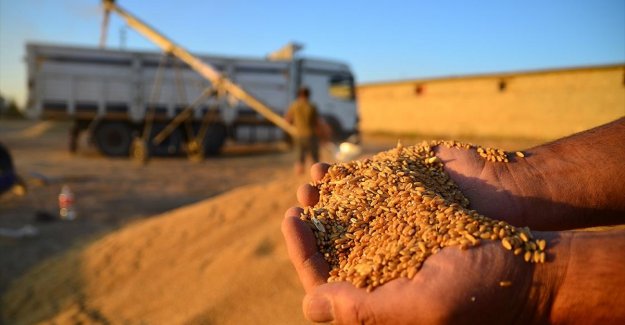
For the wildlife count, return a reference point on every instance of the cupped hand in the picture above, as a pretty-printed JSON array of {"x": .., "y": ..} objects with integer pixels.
[
  {"x": 486, "y": 184},
  {"x": 516, "y": 191},
  {"x": 484, "y": 284}
]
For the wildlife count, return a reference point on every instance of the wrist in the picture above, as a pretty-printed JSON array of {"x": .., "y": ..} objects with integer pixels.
[
  {"x": 507, "y": 191},
  {"x": 576, "y": 181},
  {"x": 548, "y": 277},
  {"x": 590, "y": 290}
]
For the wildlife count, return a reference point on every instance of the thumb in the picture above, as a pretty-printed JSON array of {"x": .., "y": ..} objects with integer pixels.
[{"x": 340, "y": 303}]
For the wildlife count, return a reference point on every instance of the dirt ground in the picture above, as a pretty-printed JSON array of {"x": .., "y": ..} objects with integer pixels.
[
  {"x": 109, "y": 193},
  {"x": 101, "y": 266}
]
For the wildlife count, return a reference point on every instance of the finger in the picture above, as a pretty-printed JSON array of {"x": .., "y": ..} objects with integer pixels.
[
  {"x": 307, "y": 195},
  {"x": 301, "y": 244},
  {"x": 397, "y": 302},
  {"x": 318, "y": 170},
  {"x": 340, "y": 303}
]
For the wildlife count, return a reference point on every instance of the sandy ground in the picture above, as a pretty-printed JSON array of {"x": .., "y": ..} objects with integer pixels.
[
  {"x": 109, "y": 193},
  {"x": 217, "y": 259},
  {"x": 221, "y": 261}
]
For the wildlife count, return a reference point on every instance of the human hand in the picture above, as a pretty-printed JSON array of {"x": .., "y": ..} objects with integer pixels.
[
  {"x": 453, "y": 286},
  {"x": 492, "y": 187},
  {"x": 574, "y": 182}
]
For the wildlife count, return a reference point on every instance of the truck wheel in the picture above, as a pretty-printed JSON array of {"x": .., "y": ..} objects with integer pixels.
[
  {"x": 214, "y": 139},
  {"x": 113, "y": 138},
  {"x": 172, "y": 145}
]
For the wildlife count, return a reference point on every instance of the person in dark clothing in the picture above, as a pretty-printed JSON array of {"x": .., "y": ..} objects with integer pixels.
[
  {"x": 8, "y": 178},
  {"x": 302, "y": 113}
]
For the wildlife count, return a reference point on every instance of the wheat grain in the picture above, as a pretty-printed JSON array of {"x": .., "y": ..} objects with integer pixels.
[{"x": 380, "y": 218}]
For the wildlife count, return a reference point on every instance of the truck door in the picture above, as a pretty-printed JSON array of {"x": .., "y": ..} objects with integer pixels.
[{"x": 333, "y": 92}]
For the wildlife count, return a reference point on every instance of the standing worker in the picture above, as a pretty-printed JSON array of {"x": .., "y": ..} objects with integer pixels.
[{"x": 303, "y": 115}]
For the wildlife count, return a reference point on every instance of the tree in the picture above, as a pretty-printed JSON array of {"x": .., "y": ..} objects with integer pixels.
[{"x": 9, "y": 108}]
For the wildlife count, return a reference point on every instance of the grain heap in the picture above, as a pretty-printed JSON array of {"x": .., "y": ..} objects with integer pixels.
[{"x": 380, "y": 218}]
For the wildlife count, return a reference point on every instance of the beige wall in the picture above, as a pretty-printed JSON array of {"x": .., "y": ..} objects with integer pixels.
[{"x": 538, "y": 105}]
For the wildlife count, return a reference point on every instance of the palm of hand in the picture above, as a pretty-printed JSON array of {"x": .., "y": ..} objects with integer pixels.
[
  {"x": 451, "y": 283},
  {"x": 491, "y": 188}
]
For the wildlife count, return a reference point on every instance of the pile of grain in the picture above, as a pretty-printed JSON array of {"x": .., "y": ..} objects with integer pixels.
[
  {"x": 381, "y": 218},
  {"x": 220, "y": 261}
]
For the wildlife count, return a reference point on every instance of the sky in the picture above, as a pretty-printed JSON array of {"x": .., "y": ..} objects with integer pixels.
[{"x": 382, "y": 41}]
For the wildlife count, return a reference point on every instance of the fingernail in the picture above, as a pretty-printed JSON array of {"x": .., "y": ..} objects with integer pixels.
[{"x": 319, "y": 309}]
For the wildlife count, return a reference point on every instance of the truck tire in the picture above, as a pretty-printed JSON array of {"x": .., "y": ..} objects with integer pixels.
[
  {"x": 214, "y": 139},
  {"x": 113, "y": 138},
  {"x": 172, "y": 145}
]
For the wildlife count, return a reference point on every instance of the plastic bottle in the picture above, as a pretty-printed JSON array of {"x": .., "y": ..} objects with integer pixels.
[{"x": 66, "y": 204}]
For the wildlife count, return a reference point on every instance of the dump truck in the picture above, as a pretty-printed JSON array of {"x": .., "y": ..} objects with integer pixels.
[{"x": 112, "y": 93}]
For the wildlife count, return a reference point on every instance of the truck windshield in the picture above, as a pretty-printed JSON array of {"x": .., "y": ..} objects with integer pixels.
[{"x": 342, "y": 87}]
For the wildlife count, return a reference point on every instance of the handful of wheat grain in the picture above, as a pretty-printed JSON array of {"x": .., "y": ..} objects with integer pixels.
[{"x": 380, "y": 218}]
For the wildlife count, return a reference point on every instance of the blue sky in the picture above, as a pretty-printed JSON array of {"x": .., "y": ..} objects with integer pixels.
[{"x": 382, "y": 41}]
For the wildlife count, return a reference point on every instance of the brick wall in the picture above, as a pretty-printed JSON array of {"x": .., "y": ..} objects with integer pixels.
[{"x": 534, "y": 105}]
